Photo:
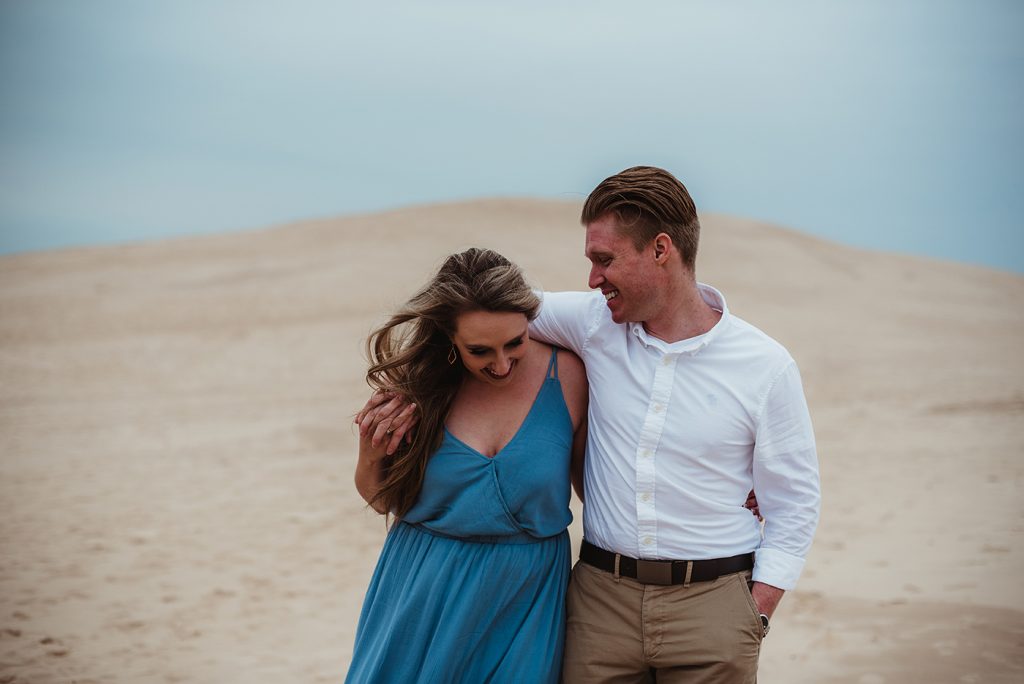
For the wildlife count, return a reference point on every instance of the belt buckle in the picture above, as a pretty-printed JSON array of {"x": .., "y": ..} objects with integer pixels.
[{"x": 654, "y": 572}]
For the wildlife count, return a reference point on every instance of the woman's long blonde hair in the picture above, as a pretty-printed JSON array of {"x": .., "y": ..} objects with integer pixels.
[{"x": 410, "y": 355}]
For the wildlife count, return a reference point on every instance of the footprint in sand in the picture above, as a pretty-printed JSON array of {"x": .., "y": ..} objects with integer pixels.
[
  {"x": 58, "y": 650},
  {"x": 130, "y": 625},
  {"x": 991, "y": 548}
]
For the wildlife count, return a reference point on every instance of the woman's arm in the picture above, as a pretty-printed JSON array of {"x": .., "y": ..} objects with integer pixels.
[
  {"x": 370, "y": 473},
  {"x": 573, "y": 377},
  {"x": 374, "y": 430},
  {"x": 579, "y": 450}
]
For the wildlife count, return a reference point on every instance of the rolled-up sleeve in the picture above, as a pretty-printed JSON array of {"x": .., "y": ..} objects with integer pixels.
[{"x": 785, "y": 472}]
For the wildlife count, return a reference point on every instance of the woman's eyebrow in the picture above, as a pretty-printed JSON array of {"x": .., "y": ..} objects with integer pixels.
[{"x": 517, "y": 338}]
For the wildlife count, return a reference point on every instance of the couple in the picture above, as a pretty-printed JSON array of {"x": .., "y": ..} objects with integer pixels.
[{"x": 687, "y": 409}]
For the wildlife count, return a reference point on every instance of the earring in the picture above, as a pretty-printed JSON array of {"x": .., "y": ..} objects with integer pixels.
[{"x": 452, "y": 356}]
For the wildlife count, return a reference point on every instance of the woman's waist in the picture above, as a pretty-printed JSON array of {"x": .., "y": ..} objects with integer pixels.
[{"x": 509, "y": 537}]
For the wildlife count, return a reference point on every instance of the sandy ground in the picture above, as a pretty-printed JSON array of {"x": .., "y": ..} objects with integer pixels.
[{"x": 176, "y": 456}]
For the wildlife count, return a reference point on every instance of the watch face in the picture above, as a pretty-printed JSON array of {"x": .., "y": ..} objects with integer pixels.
[{"x": 764, "y": 623}]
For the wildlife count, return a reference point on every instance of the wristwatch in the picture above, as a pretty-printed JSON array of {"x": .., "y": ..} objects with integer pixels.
[{"x": 764, "y": 625}]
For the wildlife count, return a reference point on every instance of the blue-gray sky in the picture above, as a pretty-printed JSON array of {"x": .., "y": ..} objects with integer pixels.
[{"x": 893, "y": 125}]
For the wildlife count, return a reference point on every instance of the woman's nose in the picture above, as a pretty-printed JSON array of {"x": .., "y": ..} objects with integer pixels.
[{"x": 502, "y": 364}]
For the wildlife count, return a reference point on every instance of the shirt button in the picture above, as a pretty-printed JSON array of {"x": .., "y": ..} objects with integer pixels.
[
  {"x": 645, "y": 497},
  {"x": 658, "y": 408},
  {"x": 647, "y": 541},
  {"x": 645, "y": 453},
  {"x": 667, "y": 361}
]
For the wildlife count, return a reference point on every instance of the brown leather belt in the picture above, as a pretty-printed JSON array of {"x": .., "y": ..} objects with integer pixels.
[{"x": 664, "y": 571}]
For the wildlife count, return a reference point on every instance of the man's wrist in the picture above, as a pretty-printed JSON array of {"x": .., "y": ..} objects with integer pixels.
[{"x": 766, "y": 597}]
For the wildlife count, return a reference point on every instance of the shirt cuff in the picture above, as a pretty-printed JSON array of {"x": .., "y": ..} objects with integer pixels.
[{"x": 777, "y": 568}]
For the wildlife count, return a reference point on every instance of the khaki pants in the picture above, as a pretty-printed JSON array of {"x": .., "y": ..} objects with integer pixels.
[{"x": 620, "y": 631}]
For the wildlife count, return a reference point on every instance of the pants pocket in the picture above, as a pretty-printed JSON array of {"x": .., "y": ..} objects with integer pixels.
[{"x": 743, "y": 579}]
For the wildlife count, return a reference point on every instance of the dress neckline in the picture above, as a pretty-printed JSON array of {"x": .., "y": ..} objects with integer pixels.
[{"x": 529, "y": 414}]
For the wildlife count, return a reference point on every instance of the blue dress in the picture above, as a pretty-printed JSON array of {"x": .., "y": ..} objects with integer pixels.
[{"x": 470, "y": 585}]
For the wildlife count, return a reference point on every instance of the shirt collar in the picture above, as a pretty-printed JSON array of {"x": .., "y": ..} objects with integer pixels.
[{"x": 691, "y": 345}]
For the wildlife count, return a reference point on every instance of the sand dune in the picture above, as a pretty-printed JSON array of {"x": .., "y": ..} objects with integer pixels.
[{"x": 176, "y": 455}]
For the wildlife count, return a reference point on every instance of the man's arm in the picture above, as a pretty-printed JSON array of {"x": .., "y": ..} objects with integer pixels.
[
  {"x": 788, "y": 489},
  {"x": 766, "y": 597},
  {"x": 565, "y": 319}
]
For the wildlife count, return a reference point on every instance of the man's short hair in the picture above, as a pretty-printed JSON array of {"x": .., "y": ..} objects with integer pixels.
[{"x": 646, "y": 201}]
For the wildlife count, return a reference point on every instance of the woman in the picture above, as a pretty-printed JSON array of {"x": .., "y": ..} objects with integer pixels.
[{"x": 470, "y": 584}]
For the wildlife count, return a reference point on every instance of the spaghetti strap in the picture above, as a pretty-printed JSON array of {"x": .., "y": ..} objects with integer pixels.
[{"x": 552, "y": 371}]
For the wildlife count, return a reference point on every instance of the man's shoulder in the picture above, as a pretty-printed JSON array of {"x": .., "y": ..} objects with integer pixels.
[
  {"x": 737, "y": 332},
  {"x": 569, "y": 297},
  {"x": 756, "y": 341},
  {"x": 579, "y": 307}
]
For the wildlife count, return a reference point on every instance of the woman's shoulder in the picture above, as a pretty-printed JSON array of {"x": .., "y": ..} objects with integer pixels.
[
  {"x": 568, "y": 362},
  {"x": 573, "y": 377},
  {"x": 571, "y": 366}
]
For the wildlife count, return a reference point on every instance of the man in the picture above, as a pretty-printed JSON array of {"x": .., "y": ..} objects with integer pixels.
[{"x": 690, "y": 408}]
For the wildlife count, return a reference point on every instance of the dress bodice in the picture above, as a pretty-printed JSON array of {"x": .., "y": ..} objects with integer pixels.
[{"x": 519, "y": 495}]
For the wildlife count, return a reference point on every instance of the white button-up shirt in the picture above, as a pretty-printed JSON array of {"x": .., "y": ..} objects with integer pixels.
[{"x": 680, "y": 432}]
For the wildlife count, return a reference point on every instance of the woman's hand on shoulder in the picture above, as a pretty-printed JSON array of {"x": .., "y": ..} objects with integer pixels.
[{"x": 383, "y": 422}]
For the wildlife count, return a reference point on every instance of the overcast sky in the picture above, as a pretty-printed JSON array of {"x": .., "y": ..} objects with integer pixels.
[{"x": 893, "y": 124}]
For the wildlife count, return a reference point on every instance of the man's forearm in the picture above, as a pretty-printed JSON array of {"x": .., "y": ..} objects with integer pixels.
[{"x": 766, "y": 597}]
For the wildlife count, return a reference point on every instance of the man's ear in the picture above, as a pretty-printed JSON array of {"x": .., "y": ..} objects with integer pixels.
[{"x": 662, "y": 247}]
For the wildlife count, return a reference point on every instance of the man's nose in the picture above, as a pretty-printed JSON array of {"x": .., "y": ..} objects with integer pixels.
[{"x": 596, "y": 277}]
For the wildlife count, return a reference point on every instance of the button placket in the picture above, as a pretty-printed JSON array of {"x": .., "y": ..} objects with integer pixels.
[{"x": 646, "y": 460}]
